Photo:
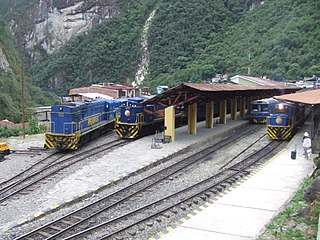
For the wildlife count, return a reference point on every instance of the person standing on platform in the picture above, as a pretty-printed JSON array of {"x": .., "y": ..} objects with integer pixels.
[{"x": 306, "y": 145}]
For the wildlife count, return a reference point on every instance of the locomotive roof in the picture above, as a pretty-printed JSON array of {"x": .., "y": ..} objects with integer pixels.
[
  {"x": 266, "y": 100},
  {"x": 79, "y": 103},
  {"x": 311, "y": 97}
]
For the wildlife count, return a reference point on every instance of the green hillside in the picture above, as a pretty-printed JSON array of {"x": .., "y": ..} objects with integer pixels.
[
  {"x": 279, "y": 39},
  {"x": 282, "y": 38},
  {"x": 188, "y": 40},
  {"x": 10, "y": 81},
  {"x": 192, "y": 40}
]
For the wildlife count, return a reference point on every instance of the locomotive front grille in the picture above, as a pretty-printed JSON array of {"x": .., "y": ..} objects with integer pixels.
[
  {"x": 62, "y": 142},
  {"x": 127, "y": 131},
  {"x": 279, "y": 133}
]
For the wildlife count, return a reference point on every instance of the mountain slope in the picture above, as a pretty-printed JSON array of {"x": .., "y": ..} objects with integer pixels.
[
  {"x": 10, "y": 80},
  {"x": 282, "y": 38},
  {"x": 108, "y": 53},
  {"x": 189, "y": 41}
]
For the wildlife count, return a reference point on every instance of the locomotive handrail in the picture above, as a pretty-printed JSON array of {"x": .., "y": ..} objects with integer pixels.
[
  {"x": 52, "y": 123},
  {"x": 139, "y": 118}
]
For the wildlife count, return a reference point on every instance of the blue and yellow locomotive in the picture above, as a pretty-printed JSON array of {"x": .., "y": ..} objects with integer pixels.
[
  {"x": 261, "y": 109},
  {"x": 284, "y": 121},
  {"x": 138, "y": 120},
  {"x": 75, "y": 123}
]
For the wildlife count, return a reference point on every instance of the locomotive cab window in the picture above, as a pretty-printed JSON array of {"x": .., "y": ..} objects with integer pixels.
[{"x": 264, "y": 107}]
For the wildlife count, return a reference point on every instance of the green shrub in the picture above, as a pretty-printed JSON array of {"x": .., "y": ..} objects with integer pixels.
[
  {"x": 316, "y": 160},
  {"x": 5, "y": 132},
  {"x": 33, "y": 128}
]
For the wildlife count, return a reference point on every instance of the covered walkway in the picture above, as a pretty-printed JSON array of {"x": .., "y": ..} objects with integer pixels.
[{"x": 194, "y": 99}]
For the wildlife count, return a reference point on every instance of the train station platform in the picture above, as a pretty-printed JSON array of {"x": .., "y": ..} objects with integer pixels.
[
  {"x": 243, "y": 212},
  {"x": 239, "y": 214}
]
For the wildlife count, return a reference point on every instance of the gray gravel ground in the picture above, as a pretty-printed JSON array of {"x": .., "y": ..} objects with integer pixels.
[
  {"x": 15, "y": 163},
  {"x": 13, "y": 211},
  {"x": 29, "y": 204}
]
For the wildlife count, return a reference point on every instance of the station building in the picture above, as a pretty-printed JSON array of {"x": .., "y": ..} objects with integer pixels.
[{"x": 109, "y": 90}]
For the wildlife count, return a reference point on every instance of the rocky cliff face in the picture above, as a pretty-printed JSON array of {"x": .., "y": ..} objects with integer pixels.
[
  {"x": 49, "y": 24},
  {"x": 4, "y": 64}
]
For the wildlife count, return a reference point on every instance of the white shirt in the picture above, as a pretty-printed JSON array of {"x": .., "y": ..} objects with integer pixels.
[{"x": 306, "y": 142}]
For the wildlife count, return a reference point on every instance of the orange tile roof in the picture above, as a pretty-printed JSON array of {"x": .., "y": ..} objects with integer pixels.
[{"x": 311, "y": 97}]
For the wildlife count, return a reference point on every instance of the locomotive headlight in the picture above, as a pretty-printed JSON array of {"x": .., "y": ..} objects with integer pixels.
[
  {"x": 280, "y": 106},
  {"x": 127, "y": 113}
]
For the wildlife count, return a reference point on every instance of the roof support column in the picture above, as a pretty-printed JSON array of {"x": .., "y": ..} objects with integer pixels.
[
  {"x": 192, "y": 119},
  {"x": 315, "y": 129},
  {"x": 242, "y": 106},
  {"x": 169, "y": 122},
  {"x": 249, "y": 100},
  {"x": 209, "y": 114},
  {"x": 223, "y": 112},
  {"x": 234, "y": 109}
]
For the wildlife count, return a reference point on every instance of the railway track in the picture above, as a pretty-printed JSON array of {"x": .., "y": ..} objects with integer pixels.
[
  {"x": 5, "y": 185},
  {"x": 29, "y": 179},
  {"x": 82, "y": 222}
]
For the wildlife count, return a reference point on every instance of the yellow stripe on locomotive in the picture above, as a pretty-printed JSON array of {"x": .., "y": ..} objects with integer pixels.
[
  {"x": 284, "y": 122},
  {"x": 129, "y": 131},
  {"x": 279, "y": 133},
  {"x": 62, "y": 141}
]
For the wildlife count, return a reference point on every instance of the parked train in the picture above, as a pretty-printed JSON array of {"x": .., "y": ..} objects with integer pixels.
[
  {"x": 137, "y": 120},
  {"x": 283, "y": 123},
  {"x": 75, "y": 123},
  {"x": 261, "y": 109}
]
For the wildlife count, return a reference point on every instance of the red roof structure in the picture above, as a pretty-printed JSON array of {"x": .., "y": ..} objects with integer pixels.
[
  {"x": 110, "y": 89},
  {"x": 187, "y": 93},
  {"x": 311, "y": 97}
]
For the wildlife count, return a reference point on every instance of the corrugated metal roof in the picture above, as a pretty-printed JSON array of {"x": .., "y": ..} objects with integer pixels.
[
  {"x": 233, "y": 87},
  {"x": 311, "y": 97},
  {"x": 187, "y": 92}
]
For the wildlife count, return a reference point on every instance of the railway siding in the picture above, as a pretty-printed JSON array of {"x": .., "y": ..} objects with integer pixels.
[{"x": 108, "y": 169}]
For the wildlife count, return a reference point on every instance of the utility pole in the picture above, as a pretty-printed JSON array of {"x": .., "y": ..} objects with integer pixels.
[
  {"x": 249, "y": 70},
  {"x": 22, "y": 98}
]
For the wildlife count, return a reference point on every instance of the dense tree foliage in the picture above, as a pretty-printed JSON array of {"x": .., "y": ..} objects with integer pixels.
[
  {"x": 180, "y": 33},
  {"x": 10, "y": 81},
  {"x": 191, "y": 40},
  {"x": 278, "y": 39},
  {"x": 281, "y": 38}
]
